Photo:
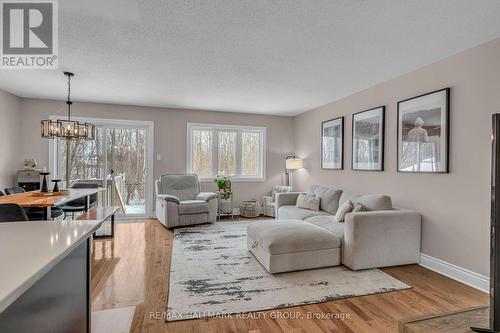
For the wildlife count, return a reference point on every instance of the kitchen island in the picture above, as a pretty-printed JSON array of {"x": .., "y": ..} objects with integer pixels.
[{"x": 45, "y": 276}]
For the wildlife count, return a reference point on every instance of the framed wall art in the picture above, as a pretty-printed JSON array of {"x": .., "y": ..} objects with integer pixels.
[
  {"x": 332, "y": 144},
  {"x": 423, "y": 133},
  {"x": 368, "y": 131}
]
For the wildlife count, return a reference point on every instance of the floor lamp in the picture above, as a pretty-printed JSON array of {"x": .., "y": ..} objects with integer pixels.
[{"x": 292, "y": 163}]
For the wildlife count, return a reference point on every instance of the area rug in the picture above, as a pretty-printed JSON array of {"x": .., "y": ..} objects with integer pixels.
[{"x": 213, "y": 274}]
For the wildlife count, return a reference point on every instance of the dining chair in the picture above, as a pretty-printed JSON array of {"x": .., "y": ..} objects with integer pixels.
[
  {"x": 14, "y": 190},
  {"x": 78, "y": 205},
  {"x": 35, "y": 213},
  {"x": 12, "y": 213}
]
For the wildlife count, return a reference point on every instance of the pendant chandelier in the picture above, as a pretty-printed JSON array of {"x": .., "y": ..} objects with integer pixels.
[{"x": 68, "y": 129}]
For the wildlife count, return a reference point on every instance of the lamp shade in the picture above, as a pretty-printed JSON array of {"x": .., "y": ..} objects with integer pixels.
[{"x": 294, "y": 163}]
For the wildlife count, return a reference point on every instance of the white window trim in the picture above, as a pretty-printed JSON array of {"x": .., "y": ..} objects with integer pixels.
[{"x": 263, "y": 152}]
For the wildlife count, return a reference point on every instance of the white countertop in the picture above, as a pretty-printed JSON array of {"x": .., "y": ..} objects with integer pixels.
[{"x": 28, "y": 250}]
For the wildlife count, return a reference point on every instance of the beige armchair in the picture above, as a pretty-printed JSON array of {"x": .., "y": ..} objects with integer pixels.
[
  {"x": 269, "y": 200},
  {"x": 179, "y": 201}
]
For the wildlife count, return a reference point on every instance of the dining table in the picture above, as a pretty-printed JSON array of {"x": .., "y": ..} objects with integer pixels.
[{"x": 48, "y": 200}]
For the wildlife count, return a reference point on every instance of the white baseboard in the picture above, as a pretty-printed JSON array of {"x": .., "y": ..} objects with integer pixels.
[{"x": 455, "y": 272}]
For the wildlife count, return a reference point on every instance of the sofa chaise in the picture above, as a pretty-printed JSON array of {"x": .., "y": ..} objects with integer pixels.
[{"x": 379, "y": 237}]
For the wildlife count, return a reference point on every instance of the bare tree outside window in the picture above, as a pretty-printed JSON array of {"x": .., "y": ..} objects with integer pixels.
[
  {"x": 202, "y": 153},
  {"x": 231, "y": 152},
  {"x": 85, "y": 158},
  {"x": 126, "y": 155},
  {"x": 250, "y": 151},
  {"x": 127, "y": 150},
  {"x": 227, "y": 154}
]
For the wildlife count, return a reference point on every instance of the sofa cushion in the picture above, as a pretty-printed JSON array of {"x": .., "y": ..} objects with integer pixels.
[
  {"x": 295, "y": 213},
  {"x": 358, "y": 208},
  {"x": 183, "y": 186},
  {"x": 329, "y": 197},
  {"x": 288, "y": 236},
  {"x": 370, "y": 201},
  {"x": 328, "y": 223},
  {"x": 193, "y": 207},
  {"x": 308, "y": 201},
  {"x": 343, "y": 210}
]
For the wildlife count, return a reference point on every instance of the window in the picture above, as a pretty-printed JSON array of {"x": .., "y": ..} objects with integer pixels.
[{"x": 237, "y": 152}]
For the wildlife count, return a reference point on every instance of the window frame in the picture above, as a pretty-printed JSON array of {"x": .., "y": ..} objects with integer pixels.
[{"x": 216, "y": 128}]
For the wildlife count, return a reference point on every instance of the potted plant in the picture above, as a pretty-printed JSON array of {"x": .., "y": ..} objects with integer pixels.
[{"x": 225, "y": 193}]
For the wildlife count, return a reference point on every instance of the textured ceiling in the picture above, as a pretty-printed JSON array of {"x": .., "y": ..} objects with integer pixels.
[{"x": 272, "y": 57}]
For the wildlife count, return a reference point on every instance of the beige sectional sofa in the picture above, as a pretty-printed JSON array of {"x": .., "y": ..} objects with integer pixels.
[{"x": 382, "y": 236}]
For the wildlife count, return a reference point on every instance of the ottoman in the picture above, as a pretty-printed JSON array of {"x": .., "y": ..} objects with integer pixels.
[{"x": 292, "y": 245}]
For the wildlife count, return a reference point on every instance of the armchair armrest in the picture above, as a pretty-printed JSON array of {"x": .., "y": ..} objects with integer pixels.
[
  {"x": 381, "y": 238},
  {"x": 168, "y": 198},
  {"x": 206, "y": 196},
  {"x": 286, "y": 199}
]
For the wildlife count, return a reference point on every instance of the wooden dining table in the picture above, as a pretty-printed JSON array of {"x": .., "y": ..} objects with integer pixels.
[{"x": 47, "y": 201}]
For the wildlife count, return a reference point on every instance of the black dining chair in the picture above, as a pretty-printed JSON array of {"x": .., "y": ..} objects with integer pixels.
[
  {"x": 35, "y": 214},
  {"x": 14, "y": 190},
  {"x": 78, "y": 205},
  {"x": 12, "y": 213}
]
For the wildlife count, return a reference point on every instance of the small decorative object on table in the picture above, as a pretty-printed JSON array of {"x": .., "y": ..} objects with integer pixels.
[
  {"x": 225, "y": 196},
  {"x": 30, "y": 163},
  {"x": 250, "y": 208},
  {"x": 45, "y": 187},
  {"x": 56, "y": 185}
]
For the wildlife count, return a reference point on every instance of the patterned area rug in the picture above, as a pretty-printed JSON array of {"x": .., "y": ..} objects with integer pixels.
[{"x": 212, "y": 273}]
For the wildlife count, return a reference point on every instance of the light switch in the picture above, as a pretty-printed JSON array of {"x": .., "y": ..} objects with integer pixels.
[{"x": 158, "y": 157}]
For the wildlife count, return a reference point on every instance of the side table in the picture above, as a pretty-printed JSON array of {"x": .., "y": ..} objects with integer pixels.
[{"x": 225, "y": 206}]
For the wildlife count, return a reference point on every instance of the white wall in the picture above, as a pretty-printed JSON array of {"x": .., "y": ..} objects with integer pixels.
[
  {"x": 170, "y": 136},
  {"x": 455, "y": 206},
  {"x": 10, "y": 138}
]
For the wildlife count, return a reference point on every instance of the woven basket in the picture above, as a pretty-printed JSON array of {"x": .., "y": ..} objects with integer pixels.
[{"x": 250, "y": 208}]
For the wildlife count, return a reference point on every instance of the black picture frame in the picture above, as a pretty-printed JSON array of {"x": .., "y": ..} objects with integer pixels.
[
  {"x": 444, "y": 141},
  {"x": 341, "y": 166},
  {"x": 381, "y": 152}
]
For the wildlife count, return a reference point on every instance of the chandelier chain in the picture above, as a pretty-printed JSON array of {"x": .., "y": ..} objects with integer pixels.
[{"x": 69, "y": 97}]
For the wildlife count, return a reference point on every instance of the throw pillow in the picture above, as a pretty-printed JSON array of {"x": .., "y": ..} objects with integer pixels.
[
  {"x": 359, "y": 208},
  {"x": 343, "y": 210},
  {"x": 330, "y": 200},
  {"x": 308, "y": 201}
]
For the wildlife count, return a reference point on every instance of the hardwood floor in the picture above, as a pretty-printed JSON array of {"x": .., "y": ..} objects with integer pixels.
[{"x": 133, "y": 269}]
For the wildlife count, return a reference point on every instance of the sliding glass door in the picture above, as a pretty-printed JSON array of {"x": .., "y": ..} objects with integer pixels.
[
  {"x": 119, "y": 160},
  {"x": 126, "y": 162}
]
